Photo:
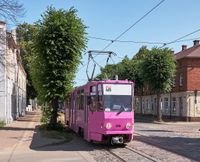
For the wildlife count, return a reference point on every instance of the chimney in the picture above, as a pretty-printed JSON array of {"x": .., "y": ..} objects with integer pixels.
[
  {"x": 184, "y": 47},
  {"x": 14, "y": 35},
  {"x": 196, "y": 42}
]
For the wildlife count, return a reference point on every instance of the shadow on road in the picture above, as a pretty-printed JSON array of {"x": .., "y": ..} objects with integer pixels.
[
  {"x": 16, "y": 129},
  {"x": 187, "y": 147},
  {"x": 40, "y": 143}
]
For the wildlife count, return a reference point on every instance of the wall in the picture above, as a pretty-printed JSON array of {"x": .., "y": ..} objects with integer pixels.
[
  {"x": 185, "y": 105},
  {"x": 2, "y": 71}
]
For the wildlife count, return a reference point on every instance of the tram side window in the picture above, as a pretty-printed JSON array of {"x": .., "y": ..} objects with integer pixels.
[
  {"x": 81, "y": 100},
  {"x": 77, "y": 99},
  {"x": 100, "y": 99},
  {"x": 92, "y": 98}
]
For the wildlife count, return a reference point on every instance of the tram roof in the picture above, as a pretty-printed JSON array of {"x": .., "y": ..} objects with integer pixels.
[{"x": 104, "y": 81}]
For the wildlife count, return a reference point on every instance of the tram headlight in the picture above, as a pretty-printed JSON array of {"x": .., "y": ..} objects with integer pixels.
[
  {"x": 108, "y": 125},
  {"x": 128, "y": 125}
]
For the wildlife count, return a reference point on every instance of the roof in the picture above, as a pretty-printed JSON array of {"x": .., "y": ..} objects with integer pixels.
[{"x": 192, "y": 52}]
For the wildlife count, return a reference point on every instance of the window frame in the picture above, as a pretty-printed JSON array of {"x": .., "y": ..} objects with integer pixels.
[
  {"x": 93, "y": 98},
  {"x": 100, "y": 91},
  {"x": 181, "y": 79},
  {"x": 174, "y": 104}
]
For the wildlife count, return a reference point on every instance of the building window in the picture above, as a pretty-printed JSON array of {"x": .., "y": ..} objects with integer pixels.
[
  {"x": 155, "y": 103},
  {"x": 181, "y": 103},
  {"x": 181, "y": 79},
  {"x": 148, "y": 105},
  {"x": 173, "y": 82},
  {"x": 137, "y": 103},
  {"x": 166, "y": 103},
  {"x": 174, "y": 104}
]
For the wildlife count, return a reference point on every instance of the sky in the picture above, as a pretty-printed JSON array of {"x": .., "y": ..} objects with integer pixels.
[{"x": 109, "y": 18}]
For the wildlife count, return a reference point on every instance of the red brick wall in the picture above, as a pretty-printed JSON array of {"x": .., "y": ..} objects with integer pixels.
[
  {"x": 181, "y": 68},
  {"x": 193, "y": 78},
  {"x": 190, "y": 68}
]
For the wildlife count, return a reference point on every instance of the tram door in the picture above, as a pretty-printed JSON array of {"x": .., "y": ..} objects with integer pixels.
[
  {"x": 74, "y": 111},
  {"x": 86, "y": 107}
]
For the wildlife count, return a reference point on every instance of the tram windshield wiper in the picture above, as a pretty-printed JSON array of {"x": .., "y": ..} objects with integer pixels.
[{"x": 122, "y": 108}]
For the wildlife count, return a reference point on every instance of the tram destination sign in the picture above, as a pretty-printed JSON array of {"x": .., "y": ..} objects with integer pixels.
[{"x": 117, "y": 89}]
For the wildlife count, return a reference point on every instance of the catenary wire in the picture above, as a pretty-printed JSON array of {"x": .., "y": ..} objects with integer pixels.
[
  {"x": 135, "y": 23},
  {"x": 179, "y": 39}
]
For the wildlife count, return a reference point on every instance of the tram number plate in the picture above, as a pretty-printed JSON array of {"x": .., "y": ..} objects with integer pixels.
[{"x": 118, "y": 125}]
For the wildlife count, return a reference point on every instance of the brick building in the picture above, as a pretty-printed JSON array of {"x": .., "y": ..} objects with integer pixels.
[{"x": 183, "y": 102}]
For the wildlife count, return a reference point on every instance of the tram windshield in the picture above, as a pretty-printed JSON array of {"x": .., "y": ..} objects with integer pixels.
[{"x": 118, "y": 103}]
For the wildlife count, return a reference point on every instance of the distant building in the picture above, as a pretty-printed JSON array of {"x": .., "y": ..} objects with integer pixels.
[
  {"x": 12, "y": 77},
  {"x": 183, "y": 102}
]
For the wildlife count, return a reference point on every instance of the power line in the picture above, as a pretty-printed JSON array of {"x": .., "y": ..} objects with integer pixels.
[
  {"x": 180, "y": 38},
  {"x": 126, "y": 41},
  {"x": 140, "y": 19},
  {"x": 185, "y": 40},
  {"x": 120, "y": 35},
  {"x": 141, "y": 42}
]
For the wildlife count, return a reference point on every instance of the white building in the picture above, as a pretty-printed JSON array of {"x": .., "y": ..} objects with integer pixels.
[{"x": 12, "y": 77}]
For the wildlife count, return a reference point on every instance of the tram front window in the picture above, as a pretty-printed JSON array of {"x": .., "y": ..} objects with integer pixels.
[{"x": 116, "y": 103}]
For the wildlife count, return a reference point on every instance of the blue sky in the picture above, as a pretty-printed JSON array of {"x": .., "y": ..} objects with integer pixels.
[{"x": 109, "y": 18}]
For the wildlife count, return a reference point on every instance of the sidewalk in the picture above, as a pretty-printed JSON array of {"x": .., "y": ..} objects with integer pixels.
[{"x": 21, "y": 141}]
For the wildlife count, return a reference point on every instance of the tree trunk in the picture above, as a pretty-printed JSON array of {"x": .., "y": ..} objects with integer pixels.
[
  {"x": 54, "y": 114},
  {"x": 159, "y": 114}
]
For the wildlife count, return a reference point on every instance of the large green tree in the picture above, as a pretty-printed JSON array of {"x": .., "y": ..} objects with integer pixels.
[
  {"x": 25, "y": 33},
  {"x": 158, "y": 68},
  {"x": 58, "y": 45},
  {"x": 127, "y": 69}
]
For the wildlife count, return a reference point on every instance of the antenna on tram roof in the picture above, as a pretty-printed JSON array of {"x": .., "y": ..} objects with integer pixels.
[{"x": 91, "y": 55}]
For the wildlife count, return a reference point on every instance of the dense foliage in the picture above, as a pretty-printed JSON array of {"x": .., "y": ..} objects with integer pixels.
[
  {"x": 25, "y": 33},
  {"x": 158, "y": 68},
  {"x": 58, "y": 44},
  {"x": 127, "y": 69},
  {"x": 148, "y": 68}
]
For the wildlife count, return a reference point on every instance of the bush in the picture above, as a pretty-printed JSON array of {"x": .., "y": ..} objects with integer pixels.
[
  {"x": 45, "y": 119},
  {"x": 58, "y": 127},
  {"x": 46, "y": 114},
  {"x": 2, "y": 123}
]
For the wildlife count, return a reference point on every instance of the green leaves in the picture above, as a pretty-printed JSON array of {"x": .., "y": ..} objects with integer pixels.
[
  {"x": 58, "y": 45},
  {"x": 25, "y": 33},
  {"x": 157, "y": 69}
]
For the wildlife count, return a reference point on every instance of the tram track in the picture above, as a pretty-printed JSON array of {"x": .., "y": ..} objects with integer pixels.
[
  {"x": 129, "y": 154},
  {"x": 124, "y": 154},
  {"x": 132, "y": 150}
]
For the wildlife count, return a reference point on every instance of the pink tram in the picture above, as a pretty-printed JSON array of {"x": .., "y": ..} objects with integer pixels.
[{"x": 102, "y": 111}]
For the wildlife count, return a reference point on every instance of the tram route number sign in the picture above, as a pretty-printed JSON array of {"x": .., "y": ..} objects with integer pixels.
[{"x": 108, "y": 88}]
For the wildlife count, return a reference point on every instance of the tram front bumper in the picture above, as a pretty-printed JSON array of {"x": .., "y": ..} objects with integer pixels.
[{"x": 117, "y": 140}]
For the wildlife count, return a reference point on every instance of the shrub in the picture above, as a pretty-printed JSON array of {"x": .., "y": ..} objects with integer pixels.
[
  {"x": 46, "y": 114},
  {"x": 2, "y": 123}
]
